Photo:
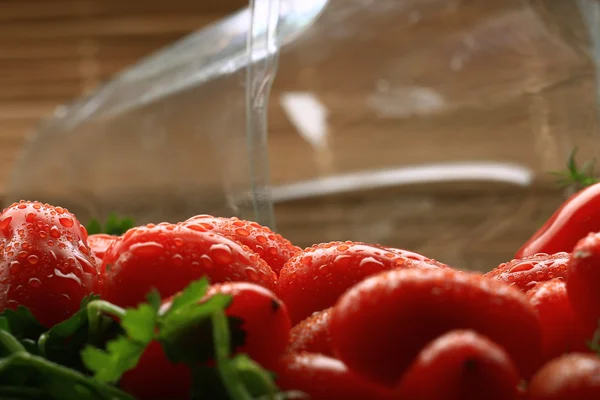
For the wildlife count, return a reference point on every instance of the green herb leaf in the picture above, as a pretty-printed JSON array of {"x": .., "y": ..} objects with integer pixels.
[
  {"x": 120, "y": 356},
  {"x": 574, "y": 176},
  {"x": 113, "y": 226},
  {"x": 140, "y": 323},
  {"x": 22, "y": 324},
  {"x": 256, "y": 380},
  {"x": 191, "y": 295}
]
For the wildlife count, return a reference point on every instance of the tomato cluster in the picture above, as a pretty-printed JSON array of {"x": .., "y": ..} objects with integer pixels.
[{"x": 340, "y": 320}]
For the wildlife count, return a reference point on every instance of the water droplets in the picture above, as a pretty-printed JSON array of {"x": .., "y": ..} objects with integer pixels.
[
  {"x": 251, "y": 273},
  {"x": 148, "y": 249},
  {"x": 14, "y": 267},
  {"x": 5, "y": 223},
  {"x": 30, "y": 217},
  {"x": 206, "y": 261},
  {"x": 66, "y": 222},
  {"x": 261, "y": 239},
  {"x": 242, "y": 232},
  {"x": 178, "y": 242},
  {"x": 70, "y": 276},
  {"x": 522, "y": 267},
  {"x": 306, "y": 260},
  {"x": 370, "y": 262},
  {"x": 33, "y": 259},
  {"x": 34, "y": 283},
  {"x": 177, "y": 259},
  {"x": 55, "y": 232},
  {"x": 221, "y": 253}
]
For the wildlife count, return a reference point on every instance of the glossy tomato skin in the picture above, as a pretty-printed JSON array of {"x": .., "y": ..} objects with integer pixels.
[
  {"x": 156, "y": 378},
  {"x": 264, "y": 319},
  {"x": 313, "y": 279},
  {"x": 562, "y": 331},
  {"x": 325, "y": 378},
  {"x": 460, "y": 365},
  {"x": 380, "y": 325},
  {"x": 526, "y": 272},
  {"x": 45, "y": 262},
  {"x": 168, "y": 257},
  {"x": 574, "y": 219},
  {"x": 99, "y": 244},
  {"x": 573, "y": 376},
  {"x": 270, "y": 246},
  {"x": 584, "y": 278},
  {"x": 312, "y": 335}
]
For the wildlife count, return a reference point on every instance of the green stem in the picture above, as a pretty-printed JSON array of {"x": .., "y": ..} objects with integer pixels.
[
  {"x": 60, "y": 372},
  {"x": 96, "y": 309},
  {"x": 10, "y": 343},
  {"x": 231, "y": 380}
]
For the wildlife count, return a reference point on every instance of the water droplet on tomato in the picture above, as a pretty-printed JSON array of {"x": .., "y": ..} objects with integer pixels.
[
  {"x": 522, "y": 267},
  {"x": 306, "y": 260},
  {"x": 35, "y": 283},
  {"x": 10, "y": 253},
  {"x": 273, "y": 251},
  {"x": 5, "y": 223},
  {"x": 70, "y": 276},
  {"x": 343, "y": 260},
  {"x": 178, "y": 242},
  {"x": 261, "y": 239},
  {"x": 30, "y": 217},
  {"x": 59, "y": 210},
  {"x": 50, "y": 242},
  {"x": 66, "y": 222},
  {"x": 177, "y": 259},
  {"x": 242, "y": 232},
  {"x": 42, "y": 234},
  {"x": 33, "y": 259},
  {"x": 195, "y": 227},
  {"x": 251, "y": 273},
  {"x": 206, "y": 261},
  {"x": 53, "y": 254},
  {"x": 272, "y": 237},
  {"x": 221, "y": 253},
  {"x": 148, "y": 249},
  {"x": 23, "y": 254},
  {"x": 54, "y": 232},
  {"x": 22, "y": 206},
  {"x": 86, "y": 264},
  {"x": 37, "y": 206},
  {"x": 14, "y": 267},
  {"x": 370, "y": 262}
]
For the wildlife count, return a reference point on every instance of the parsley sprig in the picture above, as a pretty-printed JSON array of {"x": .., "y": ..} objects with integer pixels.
[
  {"x": 575, "y": 176},
  {"x": 85, "y": 356}
]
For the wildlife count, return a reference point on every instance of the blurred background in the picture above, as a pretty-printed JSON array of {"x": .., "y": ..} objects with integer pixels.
[{"x": 428, "y": 125}]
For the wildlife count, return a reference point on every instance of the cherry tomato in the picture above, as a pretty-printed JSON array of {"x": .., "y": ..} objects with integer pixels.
[{"x": 583, "y": 280}]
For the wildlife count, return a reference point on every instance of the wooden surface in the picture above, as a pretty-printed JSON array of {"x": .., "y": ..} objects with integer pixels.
[{"x": 507, "y": 82}]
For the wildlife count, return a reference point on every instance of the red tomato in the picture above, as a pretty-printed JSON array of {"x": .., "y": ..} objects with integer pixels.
[
  {"x": 156, "y": 378},
  {"x": 313, "y": 279},
  {"x": 525, "y": 272},
  {"x": 584, "y": 279},
  {"x": 270, "y": 246},
  {"x": 45, "y": 262},
  {"x": 99, "y": 244},
  {"x": 325, "y": 378},
  {"x": 265, "y": 321},
  {"x": 312, "y": 335},
  {"x": 460, "y": 365},
  {"x": 380, "y": 325},
  {"x": 573, "y": 376},
  {"x": 168, "y": 257},
  {"x": 573, "y": 220},
  {"x": 561, "y": 330}
]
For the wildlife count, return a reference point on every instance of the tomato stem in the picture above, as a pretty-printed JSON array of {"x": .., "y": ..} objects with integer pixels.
[
  {"x": 10, "y": 343},
  {"x": 229, "y": 375}
]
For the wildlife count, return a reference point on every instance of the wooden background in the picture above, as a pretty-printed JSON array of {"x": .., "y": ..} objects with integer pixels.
[{"x": 516, "y": 82}]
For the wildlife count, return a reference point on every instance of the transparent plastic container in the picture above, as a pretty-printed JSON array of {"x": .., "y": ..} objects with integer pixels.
[{"x": 429, "y": 125}]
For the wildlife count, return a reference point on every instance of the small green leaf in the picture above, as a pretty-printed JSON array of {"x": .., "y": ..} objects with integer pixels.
[
  {"x": 22, "y": 323},
  {"x": 257, "y": 381},
  {"x": 113, "y": 226},
  {"x": 154, "y": 299},
  {"x": 139, "y": 323},
  {"x": 192, "y": 294},
  {"x": 120, "y": 356},
  {"x": 94, "y": 227}
]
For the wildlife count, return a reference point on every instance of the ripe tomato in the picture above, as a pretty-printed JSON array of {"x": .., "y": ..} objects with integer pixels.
[
  {"x": 313, "y": 279},
  {"x": 168, "y": 257},
  {"x": 325, "y": 378},
  {"x": 572, "y": 376},
  {"x": 574, "y": 219},
  {"x": 312, "y": 335},
  {"x": 45, "y": 262},
  {"x": 379, "y": 326},
  {"x": 583, "y": 279},
  {"x": 525, "y": 272},
  {"x": 561, "y": 330},
  {"x": 270, "y": 246},
  {"x": 99, "y": 244},
  {"x": 460, "y": 365}
]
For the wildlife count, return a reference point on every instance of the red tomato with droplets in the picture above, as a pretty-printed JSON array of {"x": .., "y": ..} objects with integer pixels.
[
  {"x": 561, "y": 330},
  {"x": 270, "y": 246},
  {"x": 572, "y": 376},
  {"x": 99, "y": 244},
  {"x": 460, "y": 365},
  {"x": 313, "y": 279},
  {"x": 583, "y": 280},
  {"x": 574, "y": 220},
  {"x": 156, "y": 378},
  {"x": 325, "y": 378},
  {"x": 525, "y": 272},
  {"x": 168, "y": 257},
  {"x": 312, "y": 335},
  {"x": 45, "y": 262},
  {"x": 379, "y": 326}
]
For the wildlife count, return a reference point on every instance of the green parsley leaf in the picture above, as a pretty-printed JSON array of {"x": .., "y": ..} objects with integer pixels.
[
  {"x": 22, "y": 323},
  {"x": 113, "y": 226},
  {"x": 256, "y": 380},
  {"x": 191, "y": 295},
  {"x": 120, "y": 356},
  {"x": 140, "y": 323}
]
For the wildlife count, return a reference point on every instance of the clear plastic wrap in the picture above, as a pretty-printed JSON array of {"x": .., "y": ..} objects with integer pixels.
[{"x": 430, "y": 125}]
